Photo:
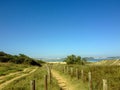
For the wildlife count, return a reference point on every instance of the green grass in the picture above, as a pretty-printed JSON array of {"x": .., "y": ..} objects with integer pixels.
[
  {"x": 38, "y": 76},
  {"x": 111, "y": 73},
  {"x": 107, "y": 62},
  {"x": 6, "y": 68},
  {"x": 73, "y": 81},
  {"x": 7, "y": 78}
]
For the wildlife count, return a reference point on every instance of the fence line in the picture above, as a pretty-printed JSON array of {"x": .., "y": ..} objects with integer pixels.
[{"x": 75, "y": 73}]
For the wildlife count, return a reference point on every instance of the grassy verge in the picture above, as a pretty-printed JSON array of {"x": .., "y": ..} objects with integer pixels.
[
  {"x": 38, "y": 76},
  {"x": 110, "y": 73},
  {"x": 72, "y": 81},
  {"x": 6, "y": 68}
]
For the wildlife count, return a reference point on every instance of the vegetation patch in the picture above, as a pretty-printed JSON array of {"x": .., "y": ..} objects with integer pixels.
[
  {"x": 25, "y": 82},
  {"x": 98, "y": 73},
  {"x": 19, "y": 59},
  {"x": 73, "y": 59}
]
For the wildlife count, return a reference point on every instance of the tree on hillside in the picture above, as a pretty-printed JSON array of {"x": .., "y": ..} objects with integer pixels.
[
  {"x": 72, "y": 59},
  {"x": 78, "y": 60},
  {"x": 2, "y": 53},
  {"x": 5, "y": 57}
]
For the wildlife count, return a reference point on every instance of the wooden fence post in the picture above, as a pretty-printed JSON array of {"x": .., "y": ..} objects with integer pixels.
[
  {"x": 77, "y": 73},
  {"x": 90, "y": 81},
  {"x": 104, "y": 84},
  {"x": 82, "y": 74},
  {"x": 46, "y": 84},
  {"x": 68, "y": 70},
  {"x": 49, "y": 73},
  {"x": 71, "y": 71},
  {"x": 64, "y": 69},
  {"x": 33, "y": 85},
  {"x": 50, "y": 76}
]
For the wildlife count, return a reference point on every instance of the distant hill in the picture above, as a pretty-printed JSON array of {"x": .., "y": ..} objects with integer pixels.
[{"x": 18, "y": 59}]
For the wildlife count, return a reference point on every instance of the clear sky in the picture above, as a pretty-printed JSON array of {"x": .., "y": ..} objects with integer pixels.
[{"x": 56, "y": 28}]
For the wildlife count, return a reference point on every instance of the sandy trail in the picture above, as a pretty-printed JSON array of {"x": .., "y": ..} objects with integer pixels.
[
  {"x": 62, "y": 82},
  {"x": 18, "y": 77}
]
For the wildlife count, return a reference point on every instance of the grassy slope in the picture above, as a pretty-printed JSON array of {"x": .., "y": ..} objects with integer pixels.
[
  {"x": 6, "y": 68},
  {"x": 107, "y": 62},
  {"x": 99, "y": 72},
  {"x": 38, "y": 76}
]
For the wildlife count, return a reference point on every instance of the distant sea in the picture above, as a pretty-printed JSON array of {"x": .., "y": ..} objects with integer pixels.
[
  {"x": 94, "y": 60},
  {"x": 59, "y": 60},
  {"x": 54, "y": 60}
]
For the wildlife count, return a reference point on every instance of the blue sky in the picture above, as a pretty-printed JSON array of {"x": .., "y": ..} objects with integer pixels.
[{"x": 57, "y": 28}]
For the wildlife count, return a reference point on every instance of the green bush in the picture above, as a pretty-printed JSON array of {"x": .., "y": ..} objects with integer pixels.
[{"x": 72, "y": 59}]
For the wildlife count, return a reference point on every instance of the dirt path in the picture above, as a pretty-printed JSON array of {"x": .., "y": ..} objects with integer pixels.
[
  {"x": 18, "y": 77},
  {"x": 63, "y": 83}
]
